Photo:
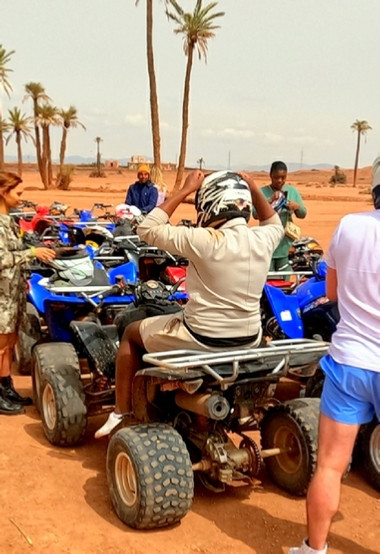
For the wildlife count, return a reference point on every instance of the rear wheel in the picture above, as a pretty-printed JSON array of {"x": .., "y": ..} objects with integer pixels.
[
  {"x": 150, "y": 477},
  {"x": 293, "y": 428},
  {"x": 26, "y": 341},
  {"x": 369, "y": 452},
  {"x": 314, "y": 384}
]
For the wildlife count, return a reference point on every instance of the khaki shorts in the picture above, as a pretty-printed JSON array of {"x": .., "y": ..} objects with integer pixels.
[{"x": 167, "y": 332}]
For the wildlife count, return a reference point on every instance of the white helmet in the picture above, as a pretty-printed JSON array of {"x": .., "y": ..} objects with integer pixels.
[
  {"x": 73, "y": 265},
  {"x": 95, "y": 236},
  {"x": 126, "y": 211},
  {"x": 223, "y": 195}
]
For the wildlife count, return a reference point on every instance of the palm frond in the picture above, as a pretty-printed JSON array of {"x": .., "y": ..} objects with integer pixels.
[
  {"x": 5, "y": 58},
  {"x": 197, "y": 27},
  {"x": 36, "y": 91},
  {"x": 19, "y": 124},
  {"x": 69, "y": 118}
]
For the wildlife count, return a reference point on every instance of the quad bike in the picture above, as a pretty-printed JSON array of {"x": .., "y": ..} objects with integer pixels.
[
  {"x": 73, "y": 368},
  {"x": 187, "y": 406}
]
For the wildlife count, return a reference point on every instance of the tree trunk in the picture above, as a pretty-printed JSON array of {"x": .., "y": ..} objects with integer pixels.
[
  {"x": 62, "y": 150},
  {"x": 19, "y": 154},
  {"x": 185, "y": 120},
  {"x": 1, "y": 143},
  {"x": 45, "y": 156},
  {"x": 357, "y": 158},
  {"x": 38, "y": 141},
  {"x": 98, "y": 160},
  {"x": 155, "y": 121},
  {"x": 49, "y": 165}
]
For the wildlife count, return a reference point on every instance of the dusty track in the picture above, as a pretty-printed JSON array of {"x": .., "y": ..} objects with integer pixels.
[{"x": 59, "y": 498}]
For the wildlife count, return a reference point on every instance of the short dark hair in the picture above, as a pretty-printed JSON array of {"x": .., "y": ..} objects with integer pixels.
[{"x": 278, "y": 166}]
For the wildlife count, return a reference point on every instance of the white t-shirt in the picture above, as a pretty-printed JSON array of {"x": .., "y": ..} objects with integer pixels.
[
  {"x": 227, "y": 270},
  {"x": 354, "y": 253}
]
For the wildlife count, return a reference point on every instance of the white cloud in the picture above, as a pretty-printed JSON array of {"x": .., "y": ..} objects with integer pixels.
[
  {"x": 303, "y": 139},
  {"x": 239, "y": 133},
  {"x": 135, "y": 120},
  {"x": 229, "y": 132},
  {"x": 272, "y": 138}
]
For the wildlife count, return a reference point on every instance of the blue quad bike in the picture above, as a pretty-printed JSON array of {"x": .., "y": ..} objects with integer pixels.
[
  {"x": 187, "y": 407},
  {"x": 306, "y": 312},
  {"x": 73, "y": 360}
]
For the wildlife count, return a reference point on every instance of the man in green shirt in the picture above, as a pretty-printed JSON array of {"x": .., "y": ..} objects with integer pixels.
[{"x": 294, "y": 205}]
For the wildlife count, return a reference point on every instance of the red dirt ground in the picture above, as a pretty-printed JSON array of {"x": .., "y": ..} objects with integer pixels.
[{"x": 59, "y": 497}]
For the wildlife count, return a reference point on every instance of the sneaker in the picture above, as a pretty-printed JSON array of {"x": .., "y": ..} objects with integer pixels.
[
  {"x": 305, "y": 549},
  {"x": 112, "y": 422}
]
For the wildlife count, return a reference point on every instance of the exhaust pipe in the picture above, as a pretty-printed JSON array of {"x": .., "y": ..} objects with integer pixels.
[{"x": 212, "y": 406}]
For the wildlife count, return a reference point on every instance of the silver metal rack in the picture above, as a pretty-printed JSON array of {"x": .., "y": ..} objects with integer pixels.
[{"x": 187, "y": 359}]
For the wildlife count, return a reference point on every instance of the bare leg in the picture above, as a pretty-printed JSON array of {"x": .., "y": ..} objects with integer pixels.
[
  {"x": 336, "y": 443},
  {"x": 128, "y": 362},
  {"x": 7, "y": 344}
]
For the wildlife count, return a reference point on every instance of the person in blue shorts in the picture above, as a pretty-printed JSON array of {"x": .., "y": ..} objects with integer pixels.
[{"x": 351, "y": 393}]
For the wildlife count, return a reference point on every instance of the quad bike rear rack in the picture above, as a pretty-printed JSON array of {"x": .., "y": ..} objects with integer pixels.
[{"x": 282, "y": 354}]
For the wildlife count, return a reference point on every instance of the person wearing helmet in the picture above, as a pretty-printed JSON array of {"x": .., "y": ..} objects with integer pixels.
[
  {"x": 142, "y": 194},
  {"x": 228, "y": 266},
  {"x": 287, "y": 201},
  {"x": 351, "y": 390}
]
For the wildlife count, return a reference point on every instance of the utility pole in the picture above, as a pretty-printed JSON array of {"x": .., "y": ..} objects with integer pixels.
[
  {"x": 301, "y": 165},
  {"x": 229, "y": 159}
]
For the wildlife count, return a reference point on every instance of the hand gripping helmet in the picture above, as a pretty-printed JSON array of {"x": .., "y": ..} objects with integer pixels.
[
  {"x": 222, "y": 196},
  {"x": 73, "y": 265}
]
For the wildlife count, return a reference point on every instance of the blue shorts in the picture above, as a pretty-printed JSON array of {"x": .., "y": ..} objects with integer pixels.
[{"x": 350, "y": 394}]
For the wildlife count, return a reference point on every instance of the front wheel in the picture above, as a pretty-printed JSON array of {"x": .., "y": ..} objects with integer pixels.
[
  {"x": 149, "y": 475},
  {"x": 293, "y": 428},
  {"x": 63, "y": 407}
]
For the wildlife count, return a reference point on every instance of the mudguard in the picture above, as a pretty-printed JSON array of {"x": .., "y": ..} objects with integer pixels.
[
  {"x": 37, "y": 294},
  {"x": 127, "y": 270},
  {"x": 96, "y": 344},
  {"x": 286, "y": 310},
  {"x": 309, "y": 291}
]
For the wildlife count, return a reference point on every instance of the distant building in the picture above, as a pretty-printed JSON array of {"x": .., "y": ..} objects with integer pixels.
[
  {"x": 138, "y": 160},
  {"x": 112, "y": 164}
]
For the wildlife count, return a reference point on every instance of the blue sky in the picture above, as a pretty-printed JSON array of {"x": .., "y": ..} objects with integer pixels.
[{"x": 283, "y": 76}]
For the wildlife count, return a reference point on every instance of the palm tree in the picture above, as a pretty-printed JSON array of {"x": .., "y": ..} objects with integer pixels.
[
  {"x": 47, "y": 115},
  {"x": 98, "y": 140},
  {"x": 155, "y": 121},
  {"x": 201, "y": 163},
  {"x": 361, "y": 127},
  {"x": 5, "y": 84},
  {"x": 197, "y": 28},
  {"x": 36, "y": 91},
  {"x": 21, "y": 128},
  {"x": 69, "y": 119}
]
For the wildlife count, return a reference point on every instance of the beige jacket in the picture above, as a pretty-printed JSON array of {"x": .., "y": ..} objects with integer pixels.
[{"x": 227, "y": 270}]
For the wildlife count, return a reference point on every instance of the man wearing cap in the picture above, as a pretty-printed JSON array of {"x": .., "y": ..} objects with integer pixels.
[
  {"x": 142, "y": 194},
  {"x": 351, "y": 392}
]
